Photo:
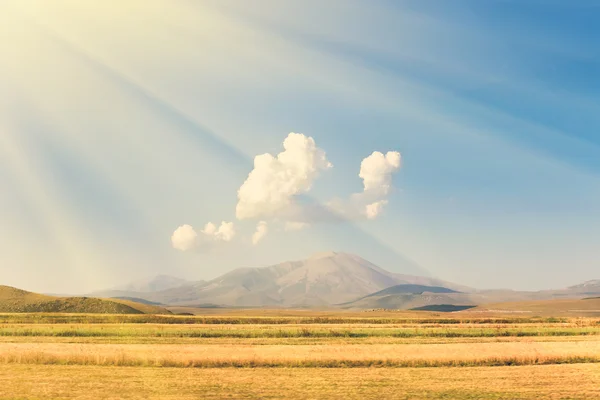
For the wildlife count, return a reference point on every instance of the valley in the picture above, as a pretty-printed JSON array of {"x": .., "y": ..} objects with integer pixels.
[{"x": 331, "y": 326}]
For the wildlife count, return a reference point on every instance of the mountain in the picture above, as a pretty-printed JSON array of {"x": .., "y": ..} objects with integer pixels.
[
  {"x": 21, "y": 301},
  {"x": 587, "y": 288},
  {"x": 324, "y": 279},
  {"x": 154, "y": 284}
]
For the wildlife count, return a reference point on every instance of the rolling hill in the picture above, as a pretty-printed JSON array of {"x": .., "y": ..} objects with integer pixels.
[
  {"x": 13, "y": 300},
  {"x": 412, "y": 289},
  {"x": 420, "y": 297},
  {"x": 411, "y": 296}
]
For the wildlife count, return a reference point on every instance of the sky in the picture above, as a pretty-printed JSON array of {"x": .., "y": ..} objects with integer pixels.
[{"x": 456, "y": 139}]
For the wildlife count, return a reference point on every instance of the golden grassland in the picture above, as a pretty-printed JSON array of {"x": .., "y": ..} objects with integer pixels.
[
  {"x": 299, "y": 354},
  {"x": 567, "y": 381},
  {"x": 287, "y": 341},
  {"x": 275, "y": 331},
  {"x": 315, "y": 355},
  {"x": 283, "y": 317}
]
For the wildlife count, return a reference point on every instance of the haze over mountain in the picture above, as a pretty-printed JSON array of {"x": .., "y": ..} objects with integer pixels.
[
  {"x": 154, "y": 284},
  {"x": 323, "y": 279},
  {"x": 327, "y": 279},
  {"x": 589, "y": 287}
]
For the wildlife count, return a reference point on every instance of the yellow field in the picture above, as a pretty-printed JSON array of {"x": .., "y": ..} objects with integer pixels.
[
  {"x": 299, "y": 355},
  {"x": 568, "y": 381},
  {"x": 315, "y": 355}
]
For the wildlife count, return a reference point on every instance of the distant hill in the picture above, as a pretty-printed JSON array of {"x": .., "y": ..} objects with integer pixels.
[
  {"x": 407, "y": 301},
  {"x": 21, "y": 301},
  {"x": 137, "y": 300},
  {"x": 412, "y": 289},
  {"x": 422, "y": 297},
  {"x": 556, "y": 307},
  {"x": 411, "y": 296},
  {"x": 586, "y": 288},
  {"x": 323, "y": 279},
  {"x": 443, "y": 308},
  {"x": 593, "y": 284}
]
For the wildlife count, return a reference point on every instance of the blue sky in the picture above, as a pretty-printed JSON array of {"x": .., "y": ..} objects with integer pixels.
[{"x": 120, "y": 123}]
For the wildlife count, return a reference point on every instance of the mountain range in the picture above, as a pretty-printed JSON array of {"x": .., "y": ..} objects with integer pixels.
[{"x": 327, "y": 279}]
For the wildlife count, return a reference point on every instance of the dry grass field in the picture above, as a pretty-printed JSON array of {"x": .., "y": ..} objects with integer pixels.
[
  {"x": 299, "y": 354},
  {"x": 566, "y": 381}
]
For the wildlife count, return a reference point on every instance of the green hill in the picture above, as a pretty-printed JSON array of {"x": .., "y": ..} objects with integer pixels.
[
  {"x": 411, "y": 289},
  {"x": 20, "y": 301},
  {"x": 413, "y": 296},
  {"x": 442, "y": 308}
]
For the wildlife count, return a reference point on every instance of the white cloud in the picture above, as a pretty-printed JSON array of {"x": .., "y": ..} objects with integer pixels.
[
  {"x": 261, "y": 231},
  {"x": 186, "y": 238},
  {"x": 270, "y": 192},
  {"x": 271, "y": 186},
  {"x": 376, "y": 172},
  {"x": 295, "y": 226},
  {"x": 374, "y": 209},
  {"x": 224, "y": 233}
]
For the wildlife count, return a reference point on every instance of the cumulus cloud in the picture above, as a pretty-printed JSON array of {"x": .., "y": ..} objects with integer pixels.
[
  {"x": 185, "y": 238},
  {"x": 261, "y": 231},
  {"x": 271, "y": 186},
  {"x": 273, "y": 191},
  {"x": 376, "y": 171},
  {"x": 374, "y": 209},
  {"x": 224, "y": 233}
]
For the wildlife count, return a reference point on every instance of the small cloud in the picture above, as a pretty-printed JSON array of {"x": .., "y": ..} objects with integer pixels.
[
  {"x": 225, "y": 232},
  {"x": 295, "y": 226},
  {"x": 271, "y": 186},
  {"x": 261, "y": 231},
  {"x": 185, "y": 238},
  {"x": 374, "y": 209},
  {"x": 376, "y": 172}
]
